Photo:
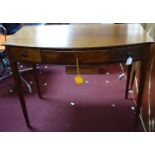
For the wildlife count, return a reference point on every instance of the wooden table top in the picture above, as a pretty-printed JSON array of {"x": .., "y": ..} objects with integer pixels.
[{"x": 79, "y": 36}]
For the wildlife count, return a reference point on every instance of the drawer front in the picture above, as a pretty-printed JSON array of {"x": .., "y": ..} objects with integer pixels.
[
  {"x": 121, "y": 54},
  {"x": 69, "y": 57},
  {"x": 95, "y": 57},
  {"x": 57, "y": 57},
  {"x": 25, "y": 54}
]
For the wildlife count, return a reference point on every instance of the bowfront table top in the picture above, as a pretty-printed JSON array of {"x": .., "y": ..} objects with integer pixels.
[{"x": 77, "y": 36}]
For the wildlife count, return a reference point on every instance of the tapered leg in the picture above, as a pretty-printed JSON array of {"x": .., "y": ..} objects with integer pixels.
[
  {"x": 37, "y": 81},
  {"x": 143, "y": 70},
  {"x": 133, "y": 78},
  {"x": 140, "y": 92},
  {"x": 128, "y": 81},
  {"x": 20, "y": 91}
]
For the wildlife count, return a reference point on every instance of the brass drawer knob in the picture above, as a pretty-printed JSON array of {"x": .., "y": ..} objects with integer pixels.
[{"x": 24, "y": 54}]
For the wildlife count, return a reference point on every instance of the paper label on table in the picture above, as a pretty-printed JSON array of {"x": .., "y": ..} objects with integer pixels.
[{"x": 129, "y": 60}]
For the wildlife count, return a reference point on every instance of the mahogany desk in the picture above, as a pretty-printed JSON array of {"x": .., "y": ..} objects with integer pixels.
[{"x": 91, "y": 43}]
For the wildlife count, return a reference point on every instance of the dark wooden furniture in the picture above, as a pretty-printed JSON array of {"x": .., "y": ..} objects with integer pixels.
[{"x": 93, "y": 44}]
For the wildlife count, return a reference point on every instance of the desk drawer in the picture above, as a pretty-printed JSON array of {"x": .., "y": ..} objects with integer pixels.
[
  {"x": 25, "y": 54},
  {"x": 121, "y": 54},
  {"x": 95, "y": 57},
  {"x": 69, "y": 57}
]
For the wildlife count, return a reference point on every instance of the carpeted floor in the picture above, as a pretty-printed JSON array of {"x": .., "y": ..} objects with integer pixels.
[{"x": 97, "y": 105}]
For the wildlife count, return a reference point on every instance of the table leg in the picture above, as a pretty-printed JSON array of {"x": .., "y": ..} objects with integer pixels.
[
  {"x": 133, "y": 78},
  {"x": 20, "y": 91},
  {"x": 143, "y": 70},
  {"x": 128, "y": 81},
  {"x": 37, "y": 81},
  {"x": 140, "y": 92}
]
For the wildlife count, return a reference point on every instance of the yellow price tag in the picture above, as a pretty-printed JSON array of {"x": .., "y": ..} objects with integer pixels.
[{"x": 78, "y": 79}]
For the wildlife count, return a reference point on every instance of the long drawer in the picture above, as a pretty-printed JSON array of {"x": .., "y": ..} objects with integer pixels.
[
  {"x": 69, "y": 57},
  {"x": 92, "y": 56}
]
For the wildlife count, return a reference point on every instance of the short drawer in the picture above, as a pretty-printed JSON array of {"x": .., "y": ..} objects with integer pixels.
[
  {"x": 57, "y": 57},
  {"x": 136, "y": 52},
  {"x": 121, "y": 54},
  {"x": 95, "y": 57},
  {"x": 25, "y": 54},
  {"x": 69, "y": 57}
]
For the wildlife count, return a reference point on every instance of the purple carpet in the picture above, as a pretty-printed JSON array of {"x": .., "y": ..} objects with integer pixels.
[{"x": 97, "y": 105}]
